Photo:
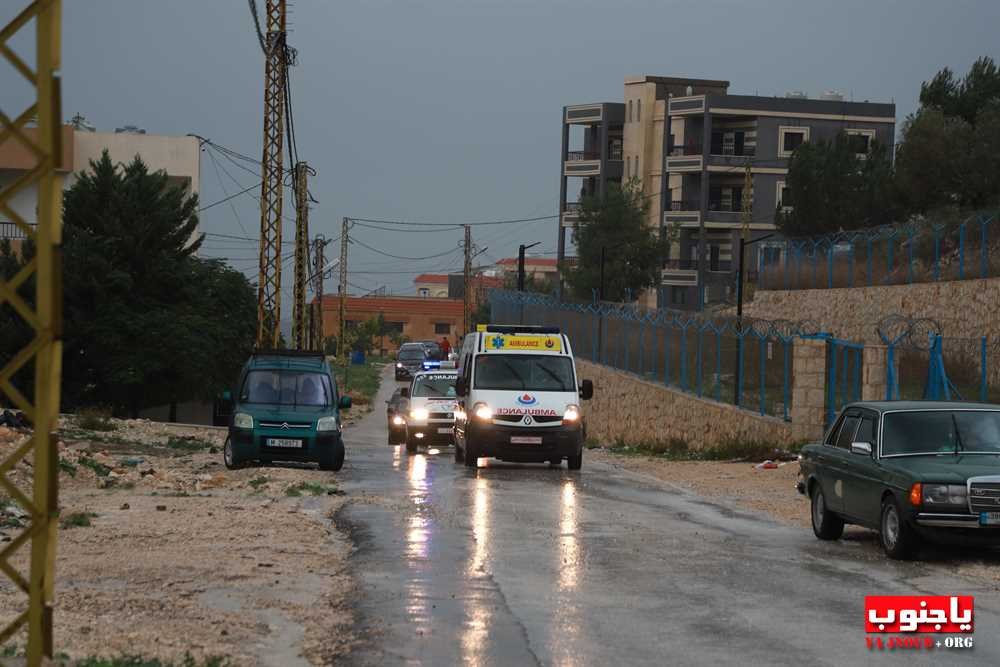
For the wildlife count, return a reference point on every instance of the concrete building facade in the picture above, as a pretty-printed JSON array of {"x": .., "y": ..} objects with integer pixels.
[
  {"x": 418, "y": 318},
  {"x": 179, "y": 157},
  {"x": 688, "y": 144}
]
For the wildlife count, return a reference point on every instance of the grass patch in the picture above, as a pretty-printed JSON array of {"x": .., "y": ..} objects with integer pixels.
[
  {"x": 676, "y": 449},
  {"x": 360, "y": 382},
  {"x": 95, "y": 419},
  {"x": 99, "y": 469},
  {"x": 311, "y": 488},
  {"x": 67, "y": 467},
  {"x": 258, "y": 482},
  {"x": 77, "y": 520},
  {"x": 188, "y": 443}
]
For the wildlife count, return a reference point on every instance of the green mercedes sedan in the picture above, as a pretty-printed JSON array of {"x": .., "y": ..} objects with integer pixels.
[{"x": 912, "y": 470}]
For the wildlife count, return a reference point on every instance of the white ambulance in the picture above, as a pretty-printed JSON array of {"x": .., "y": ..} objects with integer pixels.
[{"x": 519, "y": 397}]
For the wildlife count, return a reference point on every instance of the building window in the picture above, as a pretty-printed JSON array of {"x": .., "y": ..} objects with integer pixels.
[
  {"x": 790, "y": 138},
  {"x": 861, "y": 140},
  {"x": 630, "y": 111},
  {"x": 782, "y": 196},
  {"x": 638, "y": 111},
  {"x": 713, "y": 257},
  {"x": 423, "y": 291},
  {"x": 393, "y": 326},
  {"x": 443, "y": 328},
  {"x": 678, "y": 295}
]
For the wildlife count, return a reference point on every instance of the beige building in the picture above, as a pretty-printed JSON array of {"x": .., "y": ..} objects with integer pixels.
[
  {"x": 695, "y": 149},
  {"x": 179, "y": 157}
]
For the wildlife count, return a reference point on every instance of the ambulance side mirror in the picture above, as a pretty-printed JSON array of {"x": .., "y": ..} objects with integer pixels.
[
  {"x": 587, "y": 390},
  {"x": 461, "y": 388}
]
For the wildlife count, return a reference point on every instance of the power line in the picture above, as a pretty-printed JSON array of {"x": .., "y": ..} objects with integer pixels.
[
  {"x": 410, "y": 231},
  {"x": 452, "y": 224},
  {"x": 414, "y": 259},
  {"x": 232, "y": 196},
  {"x": 236, "y": 215}
]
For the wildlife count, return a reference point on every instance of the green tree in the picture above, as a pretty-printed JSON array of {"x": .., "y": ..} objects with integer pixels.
[
  {"x": 634, "y": 251},
  {"x": 832, "y": 188},
  {"x": 147, "y": 322},
  {"x": 966, "y": 98}
]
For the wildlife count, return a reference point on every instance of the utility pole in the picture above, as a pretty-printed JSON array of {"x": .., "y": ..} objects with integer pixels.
[
  {"x": 272, "y": 172},
  {"x": 300, "y": 329},
  {"x": 467, "y": 280},
  {"x": 316, "y": 330},
  {"x": 342, "y": 288}
]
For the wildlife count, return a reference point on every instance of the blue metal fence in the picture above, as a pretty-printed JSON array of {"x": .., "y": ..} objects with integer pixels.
[
  {"x": 887, "y": 255},
  {"x": 844, "y": 361},
  {"x": 747, "y": 364}
]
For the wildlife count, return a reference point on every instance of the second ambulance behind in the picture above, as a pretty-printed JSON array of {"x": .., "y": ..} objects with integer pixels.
[{"x": 519, "y": 397}]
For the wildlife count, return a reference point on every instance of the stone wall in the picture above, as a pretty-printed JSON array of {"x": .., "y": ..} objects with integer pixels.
[
  {"x": 964, "y": 308},
  {"x": 634, "y": 410}
]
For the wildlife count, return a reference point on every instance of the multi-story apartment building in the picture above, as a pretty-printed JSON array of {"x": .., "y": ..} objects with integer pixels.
[{"x": 694, "y": 174}]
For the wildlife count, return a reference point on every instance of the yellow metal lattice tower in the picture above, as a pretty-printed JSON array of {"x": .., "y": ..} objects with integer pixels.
[
  {"x": 272, "y": 174},
  {"x": 319, "y": 264},
  {"x": 300, "y": 319},
  {"x": 44, "y": 318}
]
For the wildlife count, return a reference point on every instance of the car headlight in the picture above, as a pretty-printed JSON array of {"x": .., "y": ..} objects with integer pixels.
[
  {"x": 326, "y": 424},
  {"x": 459, "y": 414},
  {"x": 242, "y": 420},
  {"x": 572, "y": 414},
  {"x": 397, "y": 420},
  {"x": 419, "y": 414},
  {"x": 944, "y": 494},
  {"x": 399, "y": 365},
  {"x": 482, "y": 411}
]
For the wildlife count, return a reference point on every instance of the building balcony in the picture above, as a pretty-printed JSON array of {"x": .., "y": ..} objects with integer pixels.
[
  {"x": 680, "y": 272},
  {"x": 588, "y": 163},
  {"x": 571, "y": 214},
  {"x": 9, "y": 230}
]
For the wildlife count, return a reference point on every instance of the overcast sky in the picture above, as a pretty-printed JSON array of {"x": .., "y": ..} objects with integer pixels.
[{"x": 448, "y": 110}]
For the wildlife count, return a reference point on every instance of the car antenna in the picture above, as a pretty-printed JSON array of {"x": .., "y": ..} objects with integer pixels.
[{"x": 958, "y": 434}]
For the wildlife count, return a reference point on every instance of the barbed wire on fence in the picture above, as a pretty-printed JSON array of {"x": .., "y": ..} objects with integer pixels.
[{"x": 917, "y": 333}]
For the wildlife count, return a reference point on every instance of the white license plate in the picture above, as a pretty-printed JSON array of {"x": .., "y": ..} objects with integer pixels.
[
  {"x": 989, "y": 518},
  {"x": 525, "y": 439},
  {"x": 444, "y": 430},
  {"x": 282, "y": 442}
]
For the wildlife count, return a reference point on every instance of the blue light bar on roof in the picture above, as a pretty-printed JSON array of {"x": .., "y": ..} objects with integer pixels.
[{"x": 431, "y": 364}]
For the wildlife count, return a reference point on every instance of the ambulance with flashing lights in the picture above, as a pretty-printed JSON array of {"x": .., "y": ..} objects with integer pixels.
[{"x": 519, "y": 397}]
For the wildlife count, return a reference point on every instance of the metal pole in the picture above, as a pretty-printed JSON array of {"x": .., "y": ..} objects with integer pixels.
[
  {"x": 739, "y": 321},
  {"x": 317, "y": 335},
  {"x": 299, "y": 328},
  {"x": 467, "y": 279},
  {"x": 342, "y": 287},
  {"x": 272, "y": 175},
  {"x": 520, "y": 268},
  {"x": 601, "y": 293}
]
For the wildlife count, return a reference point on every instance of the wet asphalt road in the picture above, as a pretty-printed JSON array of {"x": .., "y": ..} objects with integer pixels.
[{"x": 530, "y": 564}]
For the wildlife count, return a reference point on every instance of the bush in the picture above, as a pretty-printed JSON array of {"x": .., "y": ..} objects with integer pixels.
[{"x": 95, "y": 419}]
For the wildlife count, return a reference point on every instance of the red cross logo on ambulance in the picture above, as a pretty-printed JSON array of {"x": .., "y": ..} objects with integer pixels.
[{"x": 526, "y": 399}]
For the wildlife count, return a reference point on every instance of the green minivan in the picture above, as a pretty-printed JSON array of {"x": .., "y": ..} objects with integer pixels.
[{"x": 286, "y": 408}]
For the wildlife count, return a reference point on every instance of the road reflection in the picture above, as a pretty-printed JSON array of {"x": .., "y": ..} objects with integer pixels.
[
  {"x": 418, "y": 535},
  {"x": 478, "y": 612},
  {"x": 569, "y": 547}
]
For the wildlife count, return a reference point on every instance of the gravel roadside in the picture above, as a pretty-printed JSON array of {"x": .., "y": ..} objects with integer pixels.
[{"x": 164, "y": 553}]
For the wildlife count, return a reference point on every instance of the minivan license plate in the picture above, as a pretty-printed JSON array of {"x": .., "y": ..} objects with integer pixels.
[
  {"x": 525, "y": 439},
  {"x": 989, "y": 518},
  {"x": 282, "y": 442}
]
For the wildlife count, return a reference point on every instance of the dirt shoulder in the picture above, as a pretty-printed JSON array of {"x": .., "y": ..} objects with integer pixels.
[
  {"x": 163, "y": 552},
  {"x": 768, "y": 491}
]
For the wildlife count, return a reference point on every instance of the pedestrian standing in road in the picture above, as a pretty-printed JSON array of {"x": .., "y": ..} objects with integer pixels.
[{"x": 445, "y": 346}]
